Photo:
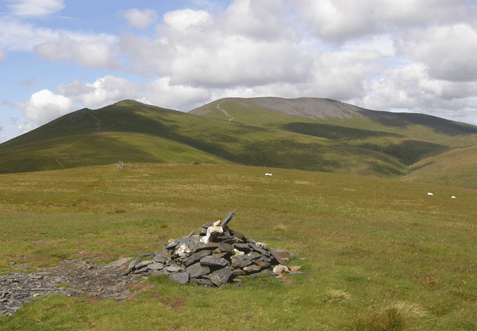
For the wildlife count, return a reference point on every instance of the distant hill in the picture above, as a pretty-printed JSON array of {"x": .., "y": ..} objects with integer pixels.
[{"x": 305, "y": 133}]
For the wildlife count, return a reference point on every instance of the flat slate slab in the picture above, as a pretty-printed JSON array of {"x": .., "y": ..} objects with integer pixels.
[
  {"x": 180, "y": 277},
  {"x": 197, "y": 270},
  {"x": 214, "y": 261},
  {"x": 221, "y": 276}
]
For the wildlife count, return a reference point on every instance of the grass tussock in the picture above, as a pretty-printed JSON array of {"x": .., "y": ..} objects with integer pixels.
[{"x": 390, "y": 319}]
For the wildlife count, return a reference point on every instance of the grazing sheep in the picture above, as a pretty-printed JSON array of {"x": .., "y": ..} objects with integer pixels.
[
  {"x": 267, "y": 174},
  {"x": 453, "y": 197},
  {"x": 430, "y": 194}
]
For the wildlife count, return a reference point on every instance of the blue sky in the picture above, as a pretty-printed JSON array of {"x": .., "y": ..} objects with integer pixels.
[{"x": 57, "y": 56}]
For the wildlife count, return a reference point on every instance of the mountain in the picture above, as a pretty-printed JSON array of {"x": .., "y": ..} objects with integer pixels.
[{"x": 305, "y": 133}]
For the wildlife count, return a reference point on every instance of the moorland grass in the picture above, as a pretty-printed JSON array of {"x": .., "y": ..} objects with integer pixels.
[{"x": 375, "y": 253}]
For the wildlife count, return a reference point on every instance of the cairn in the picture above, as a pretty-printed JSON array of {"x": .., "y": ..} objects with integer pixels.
[{"x": 214, "y": 257}]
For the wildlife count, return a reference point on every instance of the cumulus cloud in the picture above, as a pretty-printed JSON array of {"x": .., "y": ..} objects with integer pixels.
[
  {"x": 16, "y": 35},
  {"x": 3, "y": 56},
  {"x": 104, "y": 91},
  {"x": 25, "y": 127},
  {"x": 86, "y": 54},
  {"x": 45, "y": 106},
  {"x": 109, "y": 89},
  {"x": 180, "y": 20},
  {"x": 238, "y": 47},
  {"x": 342, "y": 20},
  {"x": 140, "y": 19},
  {"x": 179, "y": 97},
  {"x": 29, "y": 8},
  {"x": 448, "y": 50}
]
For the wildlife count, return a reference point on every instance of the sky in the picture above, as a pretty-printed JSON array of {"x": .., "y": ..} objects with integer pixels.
[{"x": 58, "y": 56}]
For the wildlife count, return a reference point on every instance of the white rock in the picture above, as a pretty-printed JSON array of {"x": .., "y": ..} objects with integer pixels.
[
  {"x": 280, "y": 269},
  {"x": 183, "y": 251},
  {"x": 261, "y": 245},
  {"x": 237, "y": 252}
]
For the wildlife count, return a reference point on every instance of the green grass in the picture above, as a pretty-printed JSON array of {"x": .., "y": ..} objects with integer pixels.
[
  {"x": 376, "y": 253},
  {"x": 456, "y": 167}
]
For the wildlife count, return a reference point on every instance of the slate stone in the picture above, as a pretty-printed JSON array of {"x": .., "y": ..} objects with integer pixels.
[
  {"x": 238, "y": 272},
  {"x": 283, "y": 254},
  {"x": 173, "y": 268},
  {"x": 196, "y": 257},
  {"x": 227, "y": 219},
  {"x": 240, "y": 262},
  {"x": 262, "y": 264},
  {"x": 180, "y": 277},
  {"x": 131, "y": 266},
  {"x": 252, "y": 268},
  {"x": 197, "y": 270},
  {"x": 237, "y": 235},
  {"x": 155, "y": 266},
  {"x": 160, "y": 258},
  {"x": 243, "y": 247},
  {"x": 278, "y": 258},
  {"x": 221, "y": 276},
  {"x": 172, "y": 244},
  {"x": 214, "y": 261},
  {"x": 260, "y": 250},
  {"x": 252, "y": 255},
  {"x": 225, "y": 238}
]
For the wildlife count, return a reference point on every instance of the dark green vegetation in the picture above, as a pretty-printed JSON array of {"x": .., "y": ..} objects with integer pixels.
[
  {"x": 377, "y": 254},
  {"x": 305, "y": 134}
]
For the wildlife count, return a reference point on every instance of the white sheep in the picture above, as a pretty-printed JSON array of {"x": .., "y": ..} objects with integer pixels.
[
  {"x": 453, "y": 197},
  {"x": 430, "y": 194}
]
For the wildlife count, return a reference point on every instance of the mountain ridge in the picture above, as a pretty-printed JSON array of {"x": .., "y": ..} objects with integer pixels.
[{"x": 268, "y": 132}]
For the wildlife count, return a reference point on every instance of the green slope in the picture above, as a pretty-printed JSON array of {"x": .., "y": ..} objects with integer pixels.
[
  {"x": 306, "y": 134},
  {"x": 96, "y": 149},
  {"x": 456, "y": 167}
]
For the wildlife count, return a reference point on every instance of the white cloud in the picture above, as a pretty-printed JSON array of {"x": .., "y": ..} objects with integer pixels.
[
  {"x": 340, "y": 20},
  {"x": 19, "y": 36},
  {"x": 3, "y": 56},
  {"x": 242, "y": 46},
  {"x": 179, "y": 97},
  {"x": 84, "y": 53},
  {"x": 411, "y": 88},
  {"x": 449, "y": 51},
  {"x": 103, "y": 92},
  {"x": 45, "y": 106},
  {"x": 180, "y": 20},
  {"x": 25, "y": 127},
  {"x": 140, "y": 19},
  {"x": 29, "y": 8},
  {"x": 109, "y": 89}
]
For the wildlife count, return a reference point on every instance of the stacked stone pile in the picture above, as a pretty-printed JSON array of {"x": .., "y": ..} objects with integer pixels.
[{"x": 213, "y": 257}]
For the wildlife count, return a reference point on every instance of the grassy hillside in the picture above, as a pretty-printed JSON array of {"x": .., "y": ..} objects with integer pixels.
[
  {"x": 307, "y": 134},
  {"x": 456, "y": 167},
  {"x": 376, "y": 254}
]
